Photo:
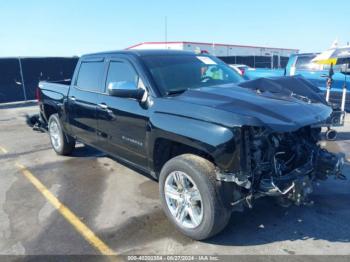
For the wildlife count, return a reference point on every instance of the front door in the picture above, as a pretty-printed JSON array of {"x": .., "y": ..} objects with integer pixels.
[{"x": 122, "y": 122}]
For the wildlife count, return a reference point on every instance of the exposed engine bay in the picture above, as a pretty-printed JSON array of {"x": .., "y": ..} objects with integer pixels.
[{"x": 284, "y": 165}]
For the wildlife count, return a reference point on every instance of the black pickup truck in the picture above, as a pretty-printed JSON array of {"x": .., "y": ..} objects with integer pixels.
[{"x": 214, "y": 143}]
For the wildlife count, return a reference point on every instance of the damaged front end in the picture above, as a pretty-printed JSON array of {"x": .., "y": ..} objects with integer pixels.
[{"x": 281, "y": 165}]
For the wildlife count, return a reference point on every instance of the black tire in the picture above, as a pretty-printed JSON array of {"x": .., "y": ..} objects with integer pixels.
[
  {"x": 66, "y": 144},
  {"x": 215, "y": 215}
]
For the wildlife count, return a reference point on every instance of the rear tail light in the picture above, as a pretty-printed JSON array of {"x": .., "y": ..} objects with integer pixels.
[
  {"x": 242, "y": 71},
  {"x": 37, "y": 94}
]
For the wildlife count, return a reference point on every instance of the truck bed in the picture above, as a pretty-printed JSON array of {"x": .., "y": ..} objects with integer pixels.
[
  {"x": 53, "y": 93},
  {"x": 60, "y": 87}
]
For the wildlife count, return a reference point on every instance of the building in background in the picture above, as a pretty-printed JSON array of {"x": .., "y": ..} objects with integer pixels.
[{"x": 254, "y": 56}]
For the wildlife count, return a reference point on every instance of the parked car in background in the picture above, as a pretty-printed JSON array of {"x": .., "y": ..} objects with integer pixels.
[{"x": 240, "y": 68}]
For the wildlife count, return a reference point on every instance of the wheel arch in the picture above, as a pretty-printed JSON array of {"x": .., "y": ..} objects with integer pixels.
[
  {"x": 174, "y": 135},
  {"x": 48, "y": 110}
]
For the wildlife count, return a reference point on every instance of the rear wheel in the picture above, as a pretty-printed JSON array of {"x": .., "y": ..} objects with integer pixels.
[
  {"x": 190, "y": 197},
  {"x": 61, "y": 142}
]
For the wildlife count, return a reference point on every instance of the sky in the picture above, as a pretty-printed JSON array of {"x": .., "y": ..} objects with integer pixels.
[{"x": 68, "y": 27}]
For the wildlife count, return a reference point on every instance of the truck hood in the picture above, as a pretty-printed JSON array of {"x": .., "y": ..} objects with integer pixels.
[{"x": 233, "y": 105}]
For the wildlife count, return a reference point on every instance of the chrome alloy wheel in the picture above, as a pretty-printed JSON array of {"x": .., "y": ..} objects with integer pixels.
[
  {"x": 183, "y": 199},
  {"x": 55, "y": 135}
]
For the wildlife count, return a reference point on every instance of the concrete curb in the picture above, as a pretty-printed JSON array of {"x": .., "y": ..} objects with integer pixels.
[{"x": 18, "y": 104}]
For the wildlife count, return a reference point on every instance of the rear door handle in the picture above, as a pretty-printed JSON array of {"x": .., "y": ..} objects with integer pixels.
[{"x": 72, "y": 98}]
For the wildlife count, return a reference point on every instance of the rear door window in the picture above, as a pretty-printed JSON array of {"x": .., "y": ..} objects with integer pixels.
[{"x": 90, "y": 76}]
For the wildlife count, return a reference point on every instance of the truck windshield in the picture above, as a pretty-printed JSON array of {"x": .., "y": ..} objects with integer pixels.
[
  {"x": 177, "y": 73},
  {"x": 304, "y": 63}
]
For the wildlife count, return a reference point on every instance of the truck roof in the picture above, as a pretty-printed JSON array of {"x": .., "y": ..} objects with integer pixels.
[{"x": 144, "y": 52}]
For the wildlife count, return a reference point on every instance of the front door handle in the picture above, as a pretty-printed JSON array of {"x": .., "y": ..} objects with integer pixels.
[
  {"x": 103, "y": 106},
  {"x": 110, "y": 113},
  {"x": 72, "y": 98}
]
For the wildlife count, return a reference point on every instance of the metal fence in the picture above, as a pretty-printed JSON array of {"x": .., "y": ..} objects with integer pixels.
[
  {"x": 19, "y": 77},
  {"x": 257, "y": 61}
]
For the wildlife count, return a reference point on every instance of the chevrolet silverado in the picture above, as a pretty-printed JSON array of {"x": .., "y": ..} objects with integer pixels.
[{"x": 214, "y": 143}]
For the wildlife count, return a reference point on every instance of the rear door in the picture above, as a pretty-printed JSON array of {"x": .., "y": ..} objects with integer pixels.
[
  {"x": 122, "y": 122},
  {"x": 82, "y": 99}
]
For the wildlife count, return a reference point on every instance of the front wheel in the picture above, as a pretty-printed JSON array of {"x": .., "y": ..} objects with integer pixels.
[
  {"x": 61, "y": 142},
  {"x": 190, "y": 197}
]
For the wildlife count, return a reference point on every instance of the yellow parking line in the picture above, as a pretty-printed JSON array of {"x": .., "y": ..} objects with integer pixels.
[
  {"x": 67, "y": 214},
  {"x": 3, "y": 150}
]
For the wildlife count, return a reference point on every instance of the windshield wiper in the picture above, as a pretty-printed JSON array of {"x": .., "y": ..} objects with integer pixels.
[
  {"x": 303, "y": 98},
  {"x": 175, "y": 92}
]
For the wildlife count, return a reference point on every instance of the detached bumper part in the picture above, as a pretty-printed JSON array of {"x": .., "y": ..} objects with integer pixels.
[
  {"x": 329, "y": 164},
  {"x": 240, "y": 180}
]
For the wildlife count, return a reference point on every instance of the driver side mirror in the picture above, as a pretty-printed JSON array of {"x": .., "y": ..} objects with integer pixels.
[{"x": 125, "y": 89}]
